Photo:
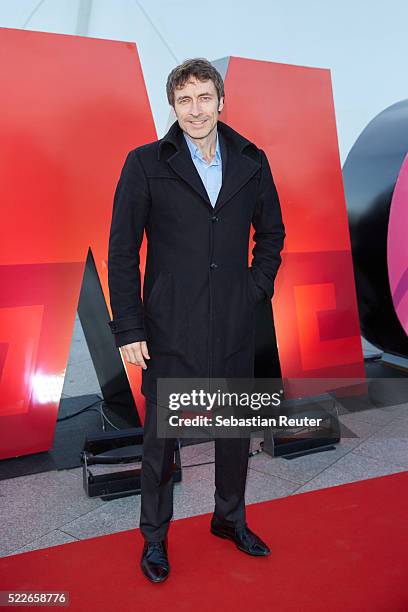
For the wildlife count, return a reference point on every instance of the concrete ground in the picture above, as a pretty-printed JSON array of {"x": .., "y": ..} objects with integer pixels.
[{"x": 51, "y": 508}]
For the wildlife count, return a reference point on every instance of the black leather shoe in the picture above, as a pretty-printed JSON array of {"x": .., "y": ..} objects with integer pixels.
[
  {"x": 154, "y": 562},
  {"x": 245, "y": 539}
]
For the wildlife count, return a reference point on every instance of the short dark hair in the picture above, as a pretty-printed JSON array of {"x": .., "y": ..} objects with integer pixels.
[{"x": 201, "y": 69}]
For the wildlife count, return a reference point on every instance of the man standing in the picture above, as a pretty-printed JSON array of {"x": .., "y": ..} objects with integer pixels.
[{"x": 195, "y": 192}]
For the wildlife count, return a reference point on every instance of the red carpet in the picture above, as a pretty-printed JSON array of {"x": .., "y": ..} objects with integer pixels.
[{"x": 339, "y": 549}]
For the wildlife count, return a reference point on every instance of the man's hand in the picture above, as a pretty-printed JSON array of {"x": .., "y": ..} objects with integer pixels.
[{"x": 136, "y": 353}]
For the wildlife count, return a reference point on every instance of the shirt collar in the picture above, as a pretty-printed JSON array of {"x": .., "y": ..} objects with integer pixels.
[{"x": 195, "y": 151}]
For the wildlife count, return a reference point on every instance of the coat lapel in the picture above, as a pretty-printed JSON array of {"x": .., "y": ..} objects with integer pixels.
[
  {"x": 237, "y": 167},
  {"x": 183, "y": 165}
]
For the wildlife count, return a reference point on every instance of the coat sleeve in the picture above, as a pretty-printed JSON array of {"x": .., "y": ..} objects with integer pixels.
[
  {"x": 131, "y": 205},
  {"x": 269, "y": 234}
]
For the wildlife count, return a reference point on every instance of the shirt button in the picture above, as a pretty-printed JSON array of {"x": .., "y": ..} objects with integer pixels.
[{"x": 213, "y": 265}]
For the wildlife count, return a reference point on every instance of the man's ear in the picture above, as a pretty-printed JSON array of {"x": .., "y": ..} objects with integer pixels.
[{"x": 221, "y": 104}]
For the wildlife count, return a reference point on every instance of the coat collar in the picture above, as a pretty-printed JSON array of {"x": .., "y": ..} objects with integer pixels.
[{"x": 240, "y": 161}]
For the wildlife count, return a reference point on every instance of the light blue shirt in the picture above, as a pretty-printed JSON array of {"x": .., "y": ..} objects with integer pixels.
[{"x": 211, "y": 174}]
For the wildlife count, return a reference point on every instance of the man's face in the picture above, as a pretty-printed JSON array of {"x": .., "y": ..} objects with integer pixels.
[{"x": 196, "y": 106}]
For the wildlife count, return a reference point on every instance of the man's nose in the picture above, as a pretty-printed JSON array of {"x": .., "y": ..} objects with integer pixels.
[{"x": 195, "y": 107}]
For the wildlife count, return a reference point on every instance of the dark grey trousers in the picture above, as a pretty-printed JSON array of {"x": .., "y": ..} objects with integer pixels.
[{"x": 231, "y": 465}]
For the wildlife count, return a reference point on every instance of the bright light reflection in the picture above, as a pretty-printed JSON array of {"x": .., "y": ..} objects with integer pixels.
[{"x": 48, "y": 388}]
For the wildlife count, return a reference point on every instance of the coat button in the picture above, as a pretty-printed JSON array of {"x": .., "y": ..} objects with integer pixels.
[
  {"x": 214, "y": 218},
  {"x": 213, "y": 265}
]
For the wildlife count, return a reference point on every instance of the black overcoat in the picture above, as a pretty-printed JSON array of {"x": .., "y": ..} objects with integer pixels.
[{"x": 199, "y": 295}]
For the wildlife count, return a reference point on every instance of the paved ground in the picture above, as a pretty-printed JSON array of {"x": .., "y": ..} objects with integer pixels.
[{"x": 52, "y": 508}]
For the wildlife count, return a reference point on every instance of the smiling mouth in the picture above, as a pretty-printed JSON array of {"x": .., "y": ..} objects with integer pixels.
[{"x": 198, "y": 123}]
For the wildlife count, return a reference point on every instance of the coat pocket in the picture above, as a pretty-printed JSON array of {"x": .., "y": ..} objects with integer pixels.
[
  {"x": 255, "y": 293},
  {"x": 166, "y": 317},
  {"x": 236, "y": 325},
  {"x": 155, "y": 290}
]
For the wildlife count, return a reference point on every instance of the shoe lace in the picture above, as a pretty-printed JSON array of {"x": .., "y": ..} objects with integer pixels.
[{"x": 157, "y": 552}]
